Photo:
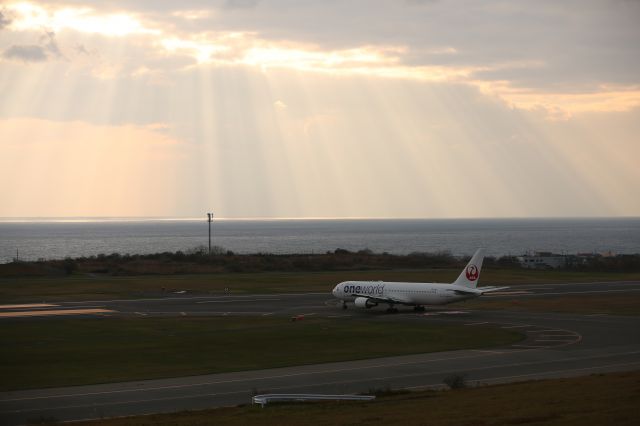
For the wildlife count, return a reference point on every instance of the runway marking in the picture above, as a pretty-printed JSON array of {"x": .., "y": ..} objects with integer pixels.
[
  {"x": 162, "y": 299},
  {"x": 519, "y": 326},
  {"x": 567, "y": 285},
  {"x": 168, "y": 398},
  {"x": 140, "y": 313},
  {"x": 268, "y": 313},
  {"x": 557, "y": 335},
  {"x": 530, "y": 346},
  {"x": 588, "y": 283},
  {"x": 53, "y": 312},
  {"x": 514, "y": 316},
  {"x": 577, "y": 292},
  {"x": 202, "y": 313},
  {"x": 478, "y": 323},
  {"x": 28, "y": 306},
  {"x": 436, "y": 313},
  {"x": 534, "y": 288},
  {"x": 234, "y": 300},
  {"x": 538, "y": 336}
]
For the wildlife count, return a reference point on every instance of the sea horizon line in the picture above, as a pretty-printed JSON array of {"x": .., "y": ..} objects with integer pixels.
[{"x": 108, "y": 219}]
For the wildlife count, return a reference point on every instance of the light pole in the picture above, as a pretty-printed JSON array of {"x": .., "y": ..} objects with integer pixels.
[{"x": 209, "y": 219}]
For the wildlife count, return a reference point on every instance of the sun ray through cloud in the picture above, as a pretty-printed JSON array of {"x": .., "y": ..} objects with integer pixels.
[{"x": 269, "y": 117}]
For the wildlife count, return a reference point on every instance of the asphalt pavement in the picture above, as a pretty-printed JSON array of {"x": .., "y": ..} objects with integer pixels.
[{"x": 556, "y": 345}]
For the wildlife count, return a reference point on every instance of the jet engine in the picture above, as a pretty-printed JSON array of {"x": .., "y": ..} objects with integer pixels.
[{"x": 364, "y": 302}]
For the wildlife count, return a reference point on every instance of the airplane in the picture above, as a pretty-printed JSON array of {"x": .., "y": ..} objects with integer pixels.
[{"x": 367, "y": 294}]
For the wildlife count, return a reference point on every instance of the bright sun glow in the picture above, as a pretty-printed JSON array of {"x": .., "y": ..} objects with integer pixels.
[
  {"x": 202, "y": 52},
  {"x": 310, "y": 60},
  {"x": 249, "y": 49},
  {"x": 33, "y": 17}
]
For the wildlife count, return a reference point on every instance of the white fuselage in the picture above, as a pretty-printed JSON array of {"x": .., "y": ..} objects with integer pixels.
[{"x": 404, "y": 293}]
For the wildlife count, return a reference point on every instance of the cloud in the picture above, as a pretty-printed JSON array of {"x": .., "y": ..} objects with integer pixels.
[
  {"x": 32, "y": 16},
  {"x": 520, "y": 53},
  {"x": 419, "y": 2},
  {"x": 192, "y": 15},
  {"x": 48, "y": 40},
  {"x": 4, "y": 20},
  {"x": 81, "y": 49},
  {"x": 48, "y": 48},
  {"x": 241, "y": 4},
  {"x": 280, "y": 105},
  {"x": 26, "y": 53}
]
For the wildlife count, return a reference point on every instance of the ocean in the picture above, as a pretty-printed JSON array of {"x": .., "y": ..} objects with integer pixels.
[{"x": 57, "y": 239}]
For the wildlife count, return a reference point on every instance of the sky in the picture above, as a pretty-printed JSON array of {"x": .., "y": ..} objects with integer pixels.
[{"x": 320, "y": 109}]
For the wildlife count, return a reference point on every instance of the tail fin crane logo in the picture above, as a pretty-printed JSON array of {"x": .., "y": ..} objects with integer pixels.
[{"x": 472, "y": 272}]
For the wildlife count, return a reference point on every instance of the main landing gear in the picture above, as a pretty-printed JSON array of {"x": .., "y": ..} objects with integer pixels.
[
  {"x": 344, "y": 305},
  {"x": 418, "y": 308},
  {"x": 392, "y": 310}
]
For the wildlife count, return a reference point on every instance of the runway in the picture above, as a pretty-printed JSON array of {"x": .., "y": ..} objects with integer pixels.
[
  {"x": 168, "y": 304},
  {"x": 557, "y": 345}
]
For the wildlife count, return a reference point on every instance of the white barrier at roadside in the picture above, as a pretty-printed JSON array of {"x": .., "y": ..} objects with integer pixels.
[{"x": 273, "y": 397}]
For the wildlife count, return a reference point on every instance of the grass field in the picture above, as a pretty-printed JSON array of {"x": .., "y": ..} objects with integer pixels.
[
  {"x": 611, "y": 399},
  {"x": 61, "y": 352},
  {"x": 91, "y": 287}
]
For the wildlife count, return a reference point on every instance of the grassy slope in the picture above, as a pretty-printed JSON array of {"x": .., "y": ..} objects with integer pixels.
[
  {"x": 86, "y": 287},
  {"x": 611, "y": 399},
  {"x": 67, "y": 352}
]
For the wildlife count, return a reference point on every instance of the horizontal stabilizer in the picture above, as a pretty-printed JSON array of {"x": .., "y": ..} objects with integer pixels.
[
  {"x": 490, "y": 289},
  {"x": 466, "y": 292}
]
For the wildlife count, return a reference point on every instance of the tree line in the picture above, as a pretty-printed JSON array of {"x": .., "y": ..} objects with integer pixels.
[{"x": 198, "y": 260}]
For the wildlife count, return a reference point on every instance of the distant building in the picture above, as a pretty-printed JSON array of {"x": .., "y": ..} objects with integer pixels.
[{"x": 543, "y": 260}]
